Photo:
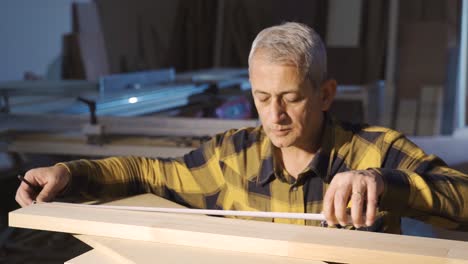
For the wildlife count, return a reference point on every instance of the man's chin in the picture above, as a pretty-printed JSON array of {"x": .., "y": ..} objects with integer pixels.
[{"x": 281, "y": 142}]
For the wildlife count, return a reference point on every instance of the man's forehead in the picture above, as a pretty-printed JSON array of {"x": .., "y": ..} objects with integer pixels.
[
  {"x": 280, "y": 78},
  {"x": 288, "y": 70},
  {"x": 277, "y": 88}
]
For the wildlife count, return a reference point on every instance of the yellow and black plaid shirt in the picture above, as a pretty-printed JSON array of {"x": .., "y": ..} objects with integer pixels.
[{"x": 236, "y": 170}]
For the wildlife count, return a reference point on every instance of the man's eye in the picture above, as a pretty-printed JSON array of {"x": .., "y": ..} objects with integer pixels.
[
  {"x": 293, "y": 98},
  {"x": 262, "y": 98}
]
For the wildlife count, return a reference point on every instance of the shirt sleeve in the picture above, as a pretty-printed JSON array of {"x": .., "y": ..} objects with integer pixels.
[
  {"x": 422, "y": 186},
  {"x": 196, "y": 179}
]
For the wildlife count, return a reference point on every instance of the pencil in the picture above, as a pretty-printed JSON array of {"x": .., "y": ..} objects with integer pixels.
[{"x": 36, "y": 189}]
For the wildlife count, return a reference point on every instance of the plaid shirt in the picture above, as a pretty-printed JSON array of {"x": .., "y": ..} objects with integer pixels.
[{"x": 236, "y": 170}]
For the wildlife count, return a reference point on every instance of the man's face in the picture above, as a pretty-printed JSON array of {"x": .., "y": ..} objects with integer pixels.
[{"x": 290, "y": 108}]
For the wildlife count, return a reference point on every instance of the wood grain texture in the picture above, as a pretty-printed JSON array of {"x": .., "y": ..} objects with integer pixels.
[
  {"x": 241, "y": 236},
  {"x": 94, "y": 256},
  {"x": 143, "y": 200},
  {"x": 130, "y": 251}
]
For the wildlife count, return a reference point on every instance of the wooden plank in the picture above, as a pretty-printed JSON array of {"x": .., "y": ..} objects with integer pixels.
[
  {"x": 211, "y": 212},
  {"x": 48, "y": 87},
  {"x": 141, "y": 252},
  {"x": 150, "y": 126},
  {"x": 90, "y": 40},
  {"x": 130, "y": 251},
  {"x": 344, "y": 23},
  {"x": 146, "y": 199},
  {"x": 388, "y": 115},
  {"x": 239, "y": 235},
  {"x": 93, "y": 256},
  {"x": 105, "y": 247},
  {"x": 74, "y": 148}
]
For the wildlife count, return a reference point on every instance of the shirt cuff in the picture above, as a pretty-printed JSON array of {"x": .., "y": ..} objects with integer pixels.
[
  {"x": 78, "y": 180},
  {"x": 395, "y": 196}
]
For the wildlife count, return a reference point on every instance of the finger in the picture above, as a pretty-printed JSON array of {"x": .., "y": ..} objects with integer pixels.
[
  {"x": 48, "y": 193},
  {"x": 23, "y": 198},
  {"x": 357, "y": 205},
  {"x": 340, "y": 203},
  {"x": 19, "y": 200},
  {"x": 35, "y": 178},
  {"x": 371, "y": 203},
  {"x": 26, "y": 194},
  {"x": 328, "y": 206},
  {"x": 25, "y": 188}
]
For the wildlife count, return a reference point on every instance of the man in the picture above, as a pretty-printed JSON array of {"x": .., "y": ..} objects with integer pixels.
[{"x": 299, "y": 160}]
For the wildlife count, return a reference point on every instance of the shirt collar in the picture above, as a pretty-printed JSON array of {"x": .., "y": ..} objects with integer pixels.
[{"x": 319, "y": 164}]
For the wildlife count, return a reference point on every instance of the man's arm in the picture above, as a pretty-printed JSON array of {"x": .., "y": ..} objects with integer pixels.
[
  {"x": 421, "y": 186},
  {"x": 188, "y": 179},
  {"x": 408, "y": 182}
]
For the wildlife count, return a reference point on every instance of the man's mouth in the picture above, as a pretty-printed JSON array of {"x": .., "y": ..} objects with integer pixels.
[{"x": 280, "y": 132}]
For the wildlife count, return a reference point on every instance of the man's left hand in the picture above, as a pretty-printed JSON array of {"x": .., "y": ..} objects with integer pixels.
[{"x": 362, "y": 188}]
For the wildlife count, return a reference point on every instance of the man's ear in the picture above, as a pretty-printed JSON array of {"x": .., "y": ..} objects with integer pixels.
[{"x": 327, "y": 93}]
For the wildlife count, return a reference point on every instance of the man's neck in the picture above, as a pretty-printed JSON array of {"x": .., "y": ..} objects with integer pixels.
[{"x": 295, "y": 160}]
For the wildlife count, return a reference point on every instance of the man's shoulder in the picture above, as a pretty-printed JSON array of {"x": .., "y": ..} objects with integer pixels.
[
  {"x": 244, "y": 134},
  {"x": 241, "y": 139},
  {"x": 371, "y": 133}
]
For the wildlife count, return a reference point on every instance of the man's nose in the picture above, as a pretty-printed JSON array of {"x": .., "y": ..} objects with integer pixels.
[{"x": 277, "y": 111}]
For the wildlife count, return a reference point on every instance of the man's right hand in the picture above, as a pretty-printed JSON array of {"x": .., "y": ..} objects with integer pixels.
[{"x": 53, "y": 181}]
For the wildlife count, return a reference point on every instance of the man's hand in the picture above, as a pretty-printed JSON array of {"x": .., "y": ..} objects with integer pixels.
[
  {"x": 52, "y": 179},
  {"x": 362, "y": 188}
]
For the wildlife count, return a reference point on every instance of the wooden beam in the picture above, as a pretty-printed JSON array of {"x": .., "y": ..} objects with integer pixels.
[
  {"x": 61, "y": 147},
  {"x": 388, "y": 115},
  {"x": 147, "y": 252},
  {"x": 104, "y": 248},
  {"x": 210, "y": 212},
  {"x": 143, "y": 126},
  {"x": 94, "y": 256},
  {"x": 46, "y": 87},
  {"x": 241, "y": 236},
  {"x": 130, "y": 251}
]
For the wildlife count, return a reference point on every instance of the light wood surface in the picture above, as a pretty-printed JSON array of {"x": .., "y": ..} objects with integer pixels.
[
  {"x": 130, "y": 251},
  {"x": 210, "y": 212},
  {"x": 94, "y": 256},
  {"x": 143, "y": 200},
  {"x": 242, "y": 236}
]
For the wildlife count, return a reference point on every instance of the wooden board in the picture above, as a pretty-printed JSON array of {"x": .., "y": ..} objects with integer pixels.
[
  {"x": 77, "y": 145},
  {"x": 48, "y": 87},
  {"x": 344, "y": 23},
  {"x": 241, "y": 236},
  {"x": 144, "y": 200},
  {"x": 90, "y": 40},
  {"x": 94, "y": 256},
  {"x": 130, "y": 251}
]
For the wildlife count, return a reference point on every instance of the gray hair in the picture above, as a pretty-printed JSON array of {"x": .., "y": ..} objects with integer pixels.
[{"x": 293, "y": 43}]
